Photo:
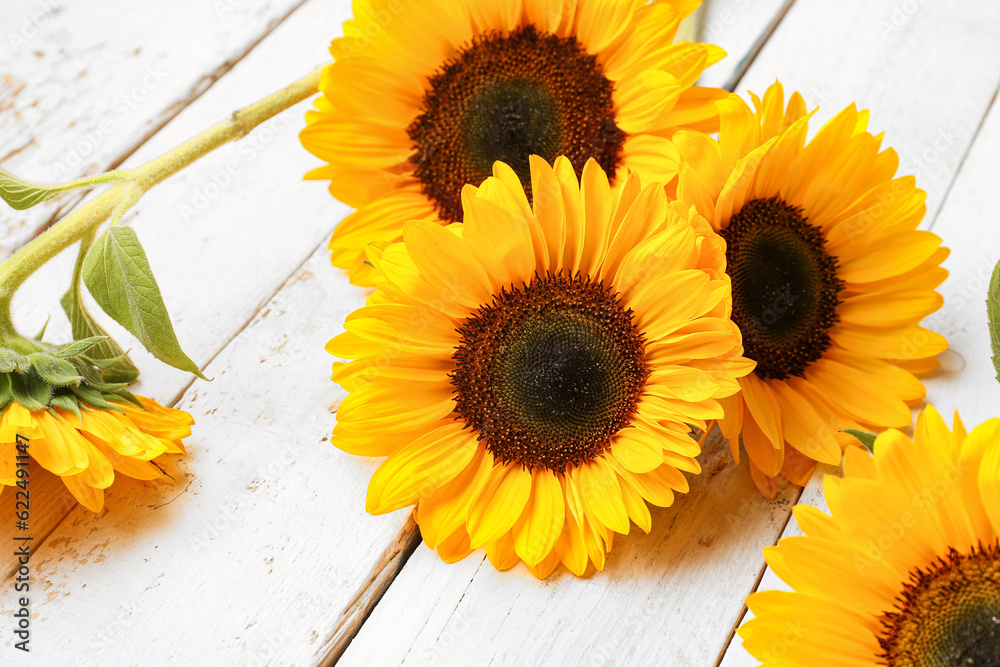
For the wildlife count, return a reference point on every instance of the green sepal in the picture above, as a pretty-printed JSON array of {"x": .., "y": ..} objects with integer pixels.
[
  {"x": 85, "y": 327},
  {"x": 41, "y": 333},
  {"x": 119, "y": 277},
  {"x": 993, "y": 316},
  {"x": 104, "y": 364},
  {"x": 94, "y": 379},
  {"x": 5, "y": 393},
  {"x": 30, "y": 390},
  {"x": 11, "y": 361},
  {"x": 94, "y": 398},
  {"x": 78, "y": 347},
  {"x": 21, "y": 194},
  {"x": 67, "y": 402},
  {"x": 125, "y": 396},
  {"x": 54, "y": 370},
  {"x": 864, "y": 437}
]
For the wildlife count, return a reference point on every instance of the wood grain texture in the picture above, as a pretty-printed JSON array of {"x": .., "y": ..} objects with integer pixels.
[
  {"x": 84, "y": 84},
  {"x": 741, "y": 27}
]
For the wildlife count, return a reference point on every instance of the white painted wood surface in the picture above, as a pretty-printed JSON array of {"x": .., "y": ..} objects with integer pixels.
[
  {"x": 260, "y": 552},
  {"x": 83, "y": 84}
]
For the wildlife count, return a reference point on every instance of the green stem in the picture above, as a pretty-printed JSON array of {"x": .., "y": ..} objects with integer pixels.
[{"x": 130, "y": 187}]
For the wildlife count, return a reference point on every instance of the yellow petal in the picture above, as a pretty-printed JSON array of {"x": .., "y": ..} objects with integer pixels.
[
  {"x": 541, "y": 523},
  {"x": 420, "y": 468},
  {"x": 499, "y": 504}
]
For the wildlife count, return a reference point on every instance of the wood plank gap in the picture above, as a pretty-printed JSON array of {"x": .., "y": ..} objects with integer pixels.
[
  {"x": 180, "y": 395},
  {"x": 200, "y": 87},
  {"x": 756, "y": 583},
  {"x": 744, "y": 65},
  {"x": 965, "y": 155},
  {"x": 360, "y": 607}
]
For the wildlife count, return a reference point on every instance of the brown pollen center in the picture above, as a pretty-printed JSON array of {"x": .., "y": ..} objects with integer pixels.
[
  {"x": 947, "y": 615},
  {"x": 549, "y": 372},
  {"x": 507, "y": 97}
]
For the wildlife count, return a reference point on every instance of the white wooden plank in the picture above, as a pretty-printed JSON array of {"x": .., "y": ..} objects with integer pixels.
[
  {"x": 84, "y": 83},
  {"x": 251, "y": 556},
  {"x": 812, "y": 494},
  {"x": 219, "y": 252},
  {"x": 834, "y": 54},
  {"x": 741, "y": 27},
  {"x": 634, "y": 613},
  {"x": 966, "y": 380}
]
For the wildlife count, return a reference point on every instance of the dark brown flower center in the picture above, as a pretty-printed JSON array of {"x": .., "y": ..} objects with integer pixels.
[
  {"x": 506, "y": 97},
  {"x": 549, "y": 372},
  {"x": 785, "y": 287},
  {"x": 948, "y": 615}
]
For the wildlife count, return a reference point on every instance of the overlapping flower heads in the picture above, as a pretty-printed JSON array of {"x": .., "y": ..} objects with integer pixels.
[
  {"x": 831, "y": 278},
  {"x": 906, "y": 571},
  {"x": 425, "y": 95},
  {"x": 529, "y": 384}
]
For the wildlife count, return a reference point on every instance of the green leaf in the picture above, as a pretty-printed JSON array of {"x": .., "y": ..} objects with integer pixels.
[
  {"x": 13, "y": 361},
  {"x": 53, "y": 369},
  {"x": 22, "y": 194},
  {"x": 993, "y": 316},
  {"x": 30, "y": 391},
  {"x": 79, "y": 347},
  {"x": 118, "y": 276},
  {"x": 864, "y": 437},
  {"x": 68, "y": 402},
  {"x": 86, "y": 327}
]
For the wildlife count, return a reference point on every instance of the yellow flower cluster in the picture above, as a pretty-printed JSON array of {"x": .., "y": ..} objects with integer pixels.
[{"x": 579, "y": 258}]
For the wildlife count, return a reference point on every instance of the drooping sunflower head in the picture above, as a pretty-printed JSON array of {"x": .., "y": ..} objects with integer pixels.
[
  {"x": 60, "y": 410},
  {"x": 532, "y": 374},
  {"x": 424, "y": 96},
  {"x": 906, "y": 571},
  {"x": 831, "y": 278}
]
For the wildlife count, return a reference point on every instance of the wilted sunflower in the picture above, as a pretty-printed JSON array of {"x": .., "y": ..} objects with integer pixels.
[
  {"x": 82, "y": 434},
  {"x": 831, "y": 278},
  {"x": 531, "y": 374},
  {"x": 907, "y": 569},
  {"x": 424, "y": 95}
]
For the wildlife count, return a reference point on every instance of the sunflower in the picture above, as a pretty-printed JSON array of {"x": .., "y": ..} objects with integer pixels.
[
  {"x": 424, "y": 95},
  {"x": 529, "y": 384},
  {"x": 831, "y": 278},
  {"x": 906, "y": 571},
  {"x": 86, "y": 444}
]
